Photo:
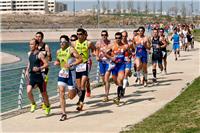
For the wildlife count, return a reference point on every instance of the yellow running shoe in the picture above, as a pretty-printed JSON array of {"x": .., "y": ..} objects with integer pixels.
[
  {"x": 43, "y": 106},
  {"x": 47, "y": 110},
  {"x": 105, "y": 99},
  {"x": 116, "y": 100},
  {"x": 33, "y": 108}
]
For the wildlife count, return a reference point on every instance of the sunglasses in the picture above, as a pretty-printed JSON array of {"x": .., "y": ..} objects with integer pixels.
[
  {"x": 103, "y": 34},
  {"x": 79, "y": 34},
  {"x": 63, "y": 42},
  {"x": 118, "y": 38}
]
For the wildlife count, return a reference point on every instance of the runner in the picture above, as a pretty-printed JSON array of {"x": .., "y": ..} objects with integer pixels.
[
  {"x": 82, "y": 46},
  {"x": 34, "y": 75},
  {"x": 164, "y": 40},
  {"x": 128, "y": 55},
  {"x": 135, "y": 33},
  {"x": 73, "y": 38},
  {"x": 141, "y": 44},
  {"x": 118, "y": 55},
  {"x": 192, "y": 35},
  {"x": 176, "y": 47},
  {"x": 156, "y": 45},
  {"x": 88, "y": 90},
  {"x": 185, "y": 40},
  {"x": 67, "y": 58},
  {"x": 105, "y": 64},
  {"x": 45, "y": 50}
]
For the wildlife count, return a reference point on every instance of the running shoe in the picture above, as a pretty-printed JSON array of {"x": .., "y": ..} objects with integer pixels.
[
  {"x": 127, "y": 83},
  {"x": 47, "y": 110},
  {"x": 116, "y": 100},
  {"x": 78, "y": 103},
  {"x": 80, "y": 106},
  {"x": 123, "y": 92},
  {"x": 165, "y": 71},
  {"x": 43, "y": 106},
  {"x": 33, "y": 108},
  {"x": 135, "y": 74},
  {"x": 145, "y": 83},
  {"x": 88, "y": 93},
  {"x": 155, "y": 81},
  {"x": 105, "y": 99},
  {"x": 63, "y": 117},
  {"x": 136, "y": 80}
]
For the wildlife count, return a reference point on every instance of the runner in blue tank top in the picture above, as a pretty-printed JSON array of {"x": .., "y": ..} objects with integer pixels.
[{"x": 176, "y": 46}]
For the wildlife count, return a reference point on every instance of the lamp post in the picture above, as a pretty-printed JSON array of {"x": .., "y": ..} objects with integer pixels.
[
  {"x": 98, "y": 12},
  {"x": 74, "y": 7}
]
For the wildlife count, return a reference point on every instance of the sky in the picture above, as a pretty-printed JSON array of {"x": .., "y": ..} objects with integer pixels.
[{"x": 86, "y": 4}]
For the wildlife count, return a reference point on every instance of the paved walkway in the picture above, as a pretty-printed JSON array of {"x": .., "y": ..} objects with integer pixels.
[{"x": 97, "y": 116}]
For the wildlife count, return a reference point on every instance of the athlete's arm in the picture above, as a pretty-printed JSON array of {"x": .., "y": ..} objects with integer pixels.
[
  {"x": 109, "y": 49},
  {"x": 148, "y": 43},
  {"x": 97, "y": 50},
  {"x": 163, "y": 40},
  {"x": 172, "y": 37},
  {"x": 28, "y": 66},
  {"x": 27, "y": 70},
  {"x": 77, "y": 56},
  {"x": 42, "y": 58},
  {"x": 48, "y": 52},
  {"x": 92, "y": 47},
  {"x": 57, "y": 62}
]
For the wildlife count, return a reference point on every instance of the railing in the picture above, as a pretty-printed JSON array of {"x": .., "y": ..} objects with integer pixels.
[{"x": 13, "y": 86}]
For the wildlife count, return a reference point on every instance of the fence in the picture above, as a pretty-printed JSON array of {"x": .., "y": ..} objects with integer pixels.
[{"x": 13, "y": 86}]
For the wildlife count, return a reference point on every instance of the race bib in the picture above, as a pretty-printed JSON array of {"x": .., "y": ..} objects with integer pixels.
[
  {"x": 64, "y": 73},
  {"x": 81, "y": 67}
]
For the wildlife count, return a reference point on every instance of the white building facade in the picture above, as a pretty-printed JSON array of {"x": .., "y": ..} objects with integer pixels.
[{"x": 31, "y": 6}]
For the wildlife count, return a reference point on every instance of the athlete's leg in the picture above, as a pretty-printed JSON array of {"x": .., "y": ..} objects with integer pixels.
[
  {"x": 144, "y": 66},
  {"x": 30, "y": 94},
  {"x": 107, "y": 83},
  {"x": 62, "y": 98},
  {"x": 138, "y": 68}
]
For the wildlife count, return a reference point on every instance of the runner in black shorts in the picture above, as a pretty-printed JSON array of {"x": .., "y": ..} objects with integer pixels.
[
  {"x": 157, "y": 53},
  {"x": 164, "y": 40},
  {"x": 34, "y": 75}
]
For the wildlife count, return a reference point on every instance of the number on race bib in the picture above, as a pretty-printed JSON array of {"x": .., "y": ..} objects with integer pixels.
[
  {"x": 64, "y": 73},
  {"x": 81, "y": 67}
]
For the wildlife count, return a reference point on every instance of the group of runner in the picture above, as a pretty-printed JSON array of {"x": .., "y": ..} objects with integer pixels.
[{"x": 114, "y": 57}]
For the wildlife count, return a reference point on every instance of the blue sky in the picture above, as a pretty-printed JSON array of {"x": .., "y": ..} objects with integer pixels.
[{"x": 85, "y": 4}]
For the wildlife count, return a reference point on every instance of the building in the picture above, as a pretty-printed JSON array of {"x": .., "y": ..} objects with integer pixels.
[
  {"x": 51, "y": 5},
  {"x": 31, "y": 6},
  {"x": 60, "y": 7}
]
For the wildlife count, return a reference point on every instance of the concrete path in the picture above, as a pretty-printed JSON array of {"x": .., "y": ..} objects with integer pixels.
[{"x": 97, "y": 116}]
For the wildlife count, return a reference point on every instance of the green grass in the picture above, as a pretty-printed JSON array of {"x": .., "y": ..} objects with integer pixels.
[
  {"x": 197, "y": 35},
  {"x": 182, "y": 115}
]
